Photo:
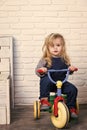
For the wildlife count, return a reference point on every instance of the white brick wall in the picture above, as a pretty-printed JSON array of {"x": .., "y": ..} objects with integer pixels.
[{"x": 29, "y": 21}]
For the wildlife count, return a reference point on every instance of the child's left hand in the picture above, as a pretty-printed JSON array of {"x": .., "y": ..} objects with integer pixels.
[{"x": 73, "y": 68}]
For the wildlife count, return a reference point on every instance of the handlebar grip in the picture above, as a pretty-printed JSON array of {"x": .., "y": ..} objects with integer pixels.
[
  {"x": 40, "y": 71},
  {"x": 76, "y": 69}
]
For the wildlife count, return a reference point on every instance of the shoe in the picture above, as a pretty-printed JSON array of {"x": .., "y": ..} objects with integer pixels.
[
  {"x": 44, "y": 104},
  {"x": 73, "y": 113}
]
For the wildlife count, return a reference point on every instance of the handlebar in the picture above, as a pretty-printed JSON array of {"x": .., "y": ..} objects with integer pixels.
[
  {"x": 62, "y": 70},
  {"x": 52, "y": 70}
]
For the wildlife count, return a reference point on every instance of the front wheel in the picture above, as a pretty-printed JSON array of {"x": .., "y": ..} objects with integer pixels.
[{"x": 63, "y": 116}]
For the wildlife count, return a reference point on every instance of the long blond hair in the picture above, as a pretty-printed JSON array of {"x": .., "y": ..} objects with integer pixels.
[{"x": 46, "y": 53}]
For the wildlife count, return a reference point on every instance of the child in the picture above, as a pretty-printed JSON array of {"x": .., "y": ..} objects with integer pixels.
[{"x": 55, "y": 57}]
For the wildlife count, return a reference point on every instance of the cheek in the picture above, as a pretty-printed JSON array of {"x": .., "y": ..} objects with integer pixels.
[
  {"x": 50, "y": 48},
  {"x": 60, "y": 48}
]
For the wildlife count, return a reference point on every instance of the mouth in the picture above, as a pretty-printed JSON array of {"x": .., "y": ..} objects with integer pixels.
[{"x": 55, "y": 51}]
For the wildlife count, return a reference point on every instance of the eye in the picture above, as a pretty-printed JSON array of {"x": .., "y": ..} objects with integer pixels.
[{"x": 58, "y": 44}]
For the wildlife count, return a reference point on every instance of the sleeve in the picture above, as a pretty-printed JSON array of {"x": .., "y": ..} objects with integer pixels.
[{"x": 41, "y": 63}]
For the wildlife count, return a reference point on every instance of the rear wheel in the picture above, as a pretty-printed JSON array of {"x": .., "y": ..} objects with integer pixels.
[
  {"x": 63, "y": 116},
  {"x": 77, "y": 106},
  {"x": 36, "y": 110}
]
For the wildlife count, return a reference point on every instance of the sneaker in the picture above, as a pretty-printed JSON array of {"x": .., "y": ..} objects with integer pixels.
[
  {"x": 45, "y": 104},
  {"x": 73, "y": 113}
]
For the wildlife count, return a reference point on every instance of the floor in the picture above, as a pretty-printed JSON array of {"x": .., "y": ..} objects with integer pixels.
[{"x": 22, "y": 119}]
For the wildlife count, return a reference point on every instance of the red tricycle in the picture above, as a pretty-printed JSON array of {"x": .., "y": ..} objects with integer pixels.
[{"x": 60, "y": 115}]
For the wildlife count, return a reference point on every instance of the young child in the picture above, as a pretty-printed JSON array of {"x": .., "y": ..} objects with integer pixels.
[{"x": 55, "y": 57}]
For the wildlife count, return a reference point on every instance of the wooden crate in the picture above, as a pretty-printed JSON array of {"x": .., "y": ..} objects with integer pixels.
[{"x": 6, "y": 78}]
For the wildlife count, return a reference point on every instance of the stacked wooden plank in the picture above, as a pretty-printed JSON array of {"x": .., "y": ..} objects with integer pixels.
[{"x": 5, "y": 78}]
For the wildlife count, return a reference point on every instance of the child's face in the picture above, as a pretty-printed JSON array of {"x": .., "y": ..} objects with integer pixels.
[{"x": 56, "y": 48}]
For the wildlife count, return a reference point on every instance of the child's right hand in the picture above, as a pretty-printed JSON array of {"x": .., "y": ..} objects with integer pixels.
[{"x": 42, "y": 70}]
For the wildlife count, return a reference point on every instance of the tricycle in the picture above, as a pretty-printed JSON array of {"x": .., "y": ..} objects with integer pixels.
[{"x": 60, "y": 114}]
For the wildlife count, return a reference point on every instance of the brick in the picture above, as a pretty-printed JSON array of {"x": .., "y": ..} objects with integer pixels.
[
  {"x": 46, "y": 25},
  {"x": 22, "y": 26},
  {"x": 84, "y": 25},
  {"x": 18, "y": 65},
  {"x": 31, "y": 8},
  {"x": 55, "y": 8},
  {"x": 40, "y": 2},
  {"x": 32, "y": 19},
  {"x": 26, "y": 88},
  {"x": 26, "y": 82},
  {"x": 3, "y": 14},
  {"x": 76, "y": 8},
  {"x": 59, "y": 2},
  {"x": 9, "y": 8},
  {"x": 82, "y": 2},
  {"x": 9, "y": 20},
  {"x": 69, "y": 14},
  {"x": 33, "y": 31},
  {"x": 16, "y": 2},
  {"x": 29, "y": 71},
  {"x": 45, "y": 14},
  {"x": 84, "y": 14},
  {"x": 5, "y": 26},
  {"x": 23, "y": 38},
  {"x": 19, "y": 71},
  {"x": 76, "y": 20},
  {"x": 84, "y": 36},
  {"x": 56, "y": 20},
  {"x": 9, "y": 32},
  {"x": 19, "y": 14}
]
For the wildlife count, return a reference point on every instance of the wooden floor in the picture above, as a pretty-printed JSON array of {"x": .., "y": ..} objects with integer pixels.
[{"x": 22, "y": 119}]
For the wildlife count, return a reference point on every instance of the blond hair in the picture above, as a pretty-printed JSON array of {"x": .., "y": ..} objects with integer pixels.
[{"x": 46, "y": 53}]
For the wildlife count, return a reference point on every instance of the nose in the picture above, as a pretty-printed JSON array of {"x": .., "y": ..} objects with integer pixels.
[{"x": 55, "y": 47}]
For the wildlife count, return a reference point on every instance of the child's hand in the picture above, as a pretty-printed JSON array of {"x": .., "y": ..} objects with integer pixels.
[
  {"x": 73, "y": 68},
  {"x": 42, "y": 70}
]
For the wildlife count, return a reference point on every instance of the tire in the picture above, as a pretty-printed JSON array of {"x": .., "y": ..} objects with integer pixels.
[
  {"x": 77, "y": 106},
  {"x": 36, "y": 110},
  {"x": 63, "y": 116},
  {"x": 68, "y": 113}
]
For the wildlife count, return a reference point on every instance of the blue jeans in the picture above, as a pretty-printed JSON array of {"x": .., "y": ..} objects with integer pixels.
[{"x": 46, "y": 86}]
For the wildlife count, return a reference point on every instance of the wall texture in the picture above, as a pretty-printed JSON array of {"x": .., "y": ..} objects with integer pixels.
[{"x": 29, "y": 22}]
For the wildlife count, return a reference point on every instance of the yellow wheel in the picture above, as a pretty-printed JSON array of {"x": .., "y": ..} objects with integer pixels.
[
  {"x": 68, "y": 114},
  {"x": 77, "y": 106},
  {"x": 63, "y": 116},
  {"x": 36, "y": 110}
]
